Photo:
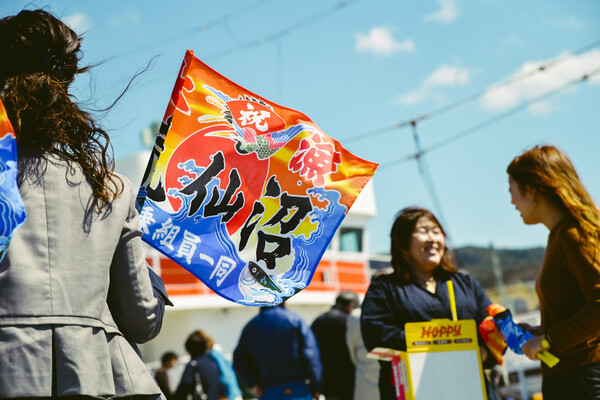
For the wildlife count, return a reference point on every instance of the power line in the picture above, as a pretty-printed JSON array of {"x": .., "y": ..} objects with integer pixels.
[
  {"x": 222, "y": 20},
  {"x": 283, "y": 32},
  {"x": 451, "y": 106},
  {"x": 419, "y": 155},
  {"x": 490, "y": 121},
  {"x": 273, "y": 37}
]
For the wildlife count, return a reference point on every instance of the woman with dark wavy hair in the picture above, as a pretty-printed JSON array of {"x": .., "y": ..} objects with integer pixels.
[
  {"x": 417, "y": 291},
  {"x": 546, "y": 189},
  {"x": 74, "y": 286}
]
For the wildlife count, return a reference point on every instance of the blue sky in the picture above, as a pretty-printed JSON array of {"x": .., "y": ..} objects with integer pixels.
[{"x": 357, "y": 67}]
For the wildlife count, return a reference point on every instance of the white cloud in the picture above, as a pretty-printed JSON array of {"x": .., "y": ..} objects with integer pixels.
[
  {"x": 570, "y": 23},
  {"x": 500, "y": 98},
  {"x": 514, "y": 40},
  {"x": 79, "y": 22},
  {"x": 443, "y": 76},
  {"x": 380, "y": 41},
  {"x": 446, "y": 14},
  {"x": 414, "y": 97},
  {"x": 447, "y": 75},
  {"x": 541, "y": 108},
  {"x": 567, "y": 70}
]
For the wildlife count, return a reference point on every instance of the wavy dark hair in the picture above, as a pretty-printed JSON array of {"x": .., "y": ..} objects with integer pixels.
[
  {"x": 549, "y": 171},
  {"x": 401, "y": 236},
  {"x": 40, "y": 57}
]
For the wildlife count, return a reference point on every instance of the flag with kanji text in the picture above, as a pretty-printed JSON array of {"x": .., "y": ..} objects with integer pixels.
[{"x": 243, "y": 193}]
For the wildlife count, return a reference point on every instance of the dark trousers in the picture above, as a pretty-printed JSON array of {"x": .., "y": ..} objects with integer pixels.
[
  {"x": 291, "y": 391},
  {"x": 581, "y": 383}
]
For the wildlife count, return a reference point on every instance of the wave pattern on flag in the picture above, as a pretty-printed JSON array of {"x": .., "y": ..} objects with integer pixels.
[
  {"x": 12, "y": 209},
  {"x": 243, "y": 193}
]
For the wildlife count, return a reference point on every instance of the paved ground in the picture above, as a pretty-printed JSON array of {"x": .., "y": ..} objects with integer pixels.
[{"x": 534, "y": 385}]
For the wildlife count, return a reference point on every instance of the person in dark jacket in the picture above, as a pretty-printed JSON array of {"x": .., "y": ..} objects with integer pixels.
[
  {"x": 417, "y": 291},
  {"x": 278, "y": 356},
  {"x": 200, "y": 377},
  {"x": 330, "y": 330}
]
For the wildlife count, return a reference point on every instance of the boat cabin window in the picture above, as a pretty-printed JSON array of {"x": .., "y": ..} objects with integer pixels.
[{"x": 351, "y": 239}]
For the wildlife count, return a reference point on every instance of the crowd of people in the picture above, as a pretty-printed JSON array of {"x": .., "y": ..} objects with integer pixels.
[
  {"x": 280, "y": 356},
  {"x": 76, "y": 296}
]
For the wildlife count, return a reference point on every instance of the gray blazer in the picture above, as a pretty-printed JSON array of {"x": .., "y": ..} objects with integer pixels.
[{"x": 74, "y": 289}]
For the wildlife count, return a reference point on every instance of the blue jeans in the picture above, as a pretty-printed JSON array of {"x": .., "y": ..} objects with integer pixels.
[
  {"x": 581, "y": 383},
  {"x": 292, "y": 391}
]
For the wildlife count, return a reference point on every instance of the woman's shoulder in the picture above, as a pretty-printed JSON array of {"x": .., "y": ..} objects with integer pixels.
[
  {"x": 460, "y": 276},
  {"x": 121, "y": 182},
  {"x": 385, "y": 278},
  {"x": 465, "y": 278},
  {"x": 567, "y": 240},
  {"x": 387, "y": 283},
  {"x": 566, "y": 230},
  {"x": 205, "y": 362}
]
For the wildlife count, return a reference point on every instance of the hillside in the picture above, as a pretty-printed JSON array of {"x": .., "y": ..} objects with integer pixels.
[
  {"x": 518, "y": 269},
  {"x": 516, "y": 265}
]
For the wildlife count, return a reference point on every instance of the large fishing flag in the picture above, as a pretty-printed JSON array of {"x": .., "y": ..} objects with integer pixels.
[
  {"x": 12, "y": 209},
  {"x": 243, "y": 193}
]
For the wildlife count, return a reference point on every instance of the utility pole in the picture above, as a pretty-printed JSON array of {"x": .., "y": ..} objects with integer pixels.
[
  {"x": 428, "y": 179},
  {"x": 497, "y": 269}
]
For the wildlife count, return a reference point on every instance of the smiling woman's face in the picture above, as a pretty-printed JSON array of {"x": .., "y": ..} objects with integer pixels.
[{"x": 427, "y": 245}]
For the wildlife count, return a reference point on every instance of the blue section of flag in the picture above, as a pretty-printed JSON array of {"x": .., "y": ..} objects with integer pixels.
[
  {"x": 204, "y": 247},
  {"x": 12, "y": 209}
]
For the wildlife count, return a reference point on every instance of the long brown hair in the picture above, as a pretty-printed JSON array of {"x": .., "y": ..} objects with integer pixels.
[
  {"x": 549, "y": 171},
  {"x": 401, "y": 235},
  {"x": 40, "y": 56}
]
